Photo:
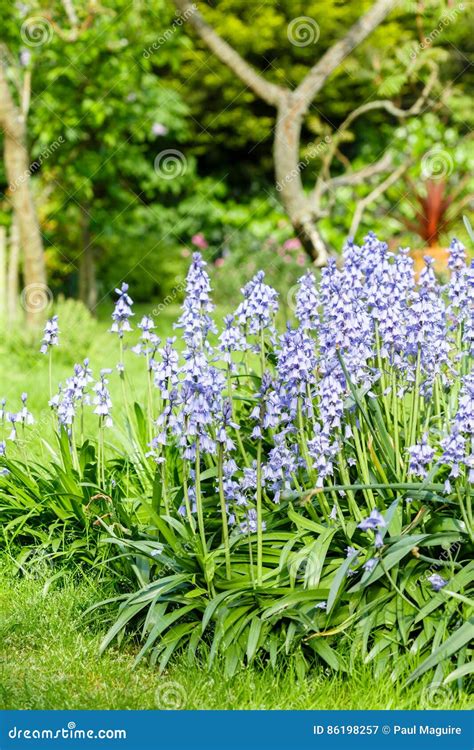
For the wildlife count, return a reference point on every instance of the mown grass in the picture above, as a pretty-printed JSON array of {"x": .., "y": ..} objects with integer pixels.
[
  {"x": 49, "y": 660},
  {"x": 27, "y": 369}
]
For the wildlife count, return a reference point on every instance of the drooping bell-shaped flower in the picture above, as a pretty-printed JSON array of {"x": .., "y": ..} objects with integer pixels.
[
  {"x": 51, "y": 334},
  {"x": 122, "y": 311}
]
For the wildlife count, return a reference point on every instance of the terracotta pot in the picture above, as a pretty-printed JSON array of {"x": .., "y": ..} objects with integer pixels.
[{"x": 440, "y": 255}]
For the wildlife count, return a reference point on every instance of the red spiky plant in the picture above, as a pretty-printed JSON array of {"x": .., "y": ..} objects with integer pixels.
[{"x": 437, "y": 207}]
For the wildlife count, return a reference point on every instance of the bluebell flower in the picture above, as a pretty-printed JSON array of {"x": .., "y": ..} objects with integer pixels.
[
  {"x": 231, "y": 340},
  {"x": 372, "y": 522},
  {"x": 12, "y": 419},
  {"x": 457, "y": 255},
  {"x": 421, "y": 455},
  {"x": 307, "y": 302},
  {"x": 296, "y": 364},
  {"x": 437, "y": 582},
  {"x": 283, "y": 461},
  {"x": 323, "y": 449},
  {"x": 102, "y": 400},
  {"x": 249, "y": 524},
  {"x": 165, "y": 370},
  {"x": 464, "y": 419},
  {"x": 378, "y": 542},
  {"x": 50, "y": 336},
  {"x": 453, "y": 447},
  {"x": 75, "y": 393},
  {"x": 268, "y": 412},
  {"x": 122, "y": 311},
  {"x": 149, "y": 341},
  {"x": 195, "y": 319},
  {"x": 224, "y": 423},
  {"x": 24, "y": 416},
  {"x": 259, "y": 307},
  {"x": 370, "y": 564}
]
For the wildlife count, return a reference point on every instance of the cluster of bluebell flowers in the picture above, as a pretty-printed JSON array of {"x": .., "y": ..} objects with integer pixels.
[{"x": 268, "y": 417}]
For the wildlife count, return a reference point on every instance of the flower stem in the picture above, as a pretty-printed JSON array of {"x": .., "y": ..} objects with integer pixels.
[
  {"x": 225, "y": 528},
  {"x": 259, "y": 515},
  {"x": 199, "y": 507}
]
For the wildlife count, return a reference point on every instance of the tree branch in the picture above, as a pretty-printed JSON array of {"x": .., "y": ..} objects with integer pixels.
[
  {"x": 327, "y": 64},
  {"x": 390, "y": 107},
  {"x": 373, "y": 196},
  {"x": 10, "y": 119},
  {"x": 267, "y": 91},
  {"x": 71, "y": 12},
  {"x": 355, "y": 178},
  {"x": 324, "y": 178}
]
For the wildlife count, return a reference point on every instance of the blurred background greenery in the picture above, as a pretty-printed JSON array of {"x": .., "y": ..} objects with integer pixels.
[{"x": 133, "y": 81}]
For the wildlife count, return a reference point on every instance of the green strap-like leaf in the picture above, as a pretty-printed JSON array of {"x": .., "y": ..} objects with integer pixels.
[{"x": 454, "y": 643}]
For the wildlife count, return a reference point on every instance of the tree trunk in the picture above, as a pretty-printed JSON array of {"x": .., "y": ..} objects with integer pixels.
[
  {"x": 3, "y": 275},
  {"x": 13, "y": 275},
  {"x": 87, "y": 279},
  {"x": 36, "y": 295},
  {"x": 87, "y": 268},
  {"x": 288, "y": 168},
  {"x": 291, "y": 107}
]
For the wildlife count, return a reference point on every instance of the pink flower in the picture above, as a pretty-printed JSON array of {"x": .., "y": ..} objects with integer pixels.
[
  {"x": 293, "y": 244},
  {"x": 200, "y": 241},
  {"x": 219, "y": 262},
  {"x": 159, "y": 129}
]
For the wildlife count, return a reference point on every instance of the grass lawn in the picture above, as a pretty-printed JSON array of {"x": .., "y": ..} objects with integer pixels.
[{"x": 49, "y": 660}]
